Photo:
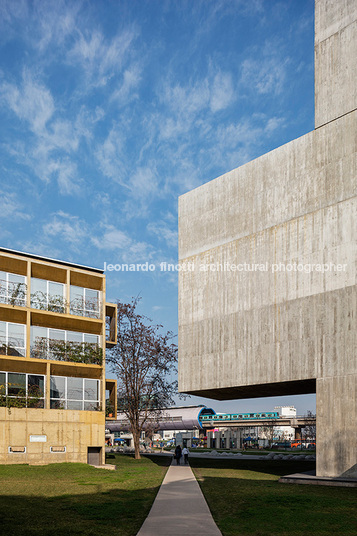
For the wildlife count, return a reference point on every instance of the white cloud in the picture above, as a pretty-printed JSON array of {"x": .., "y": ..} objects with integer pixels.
[
  {"x": 56, "y": 21},
  {"x": 222, "y": 92},
  {"x": 131, "y": 80},
  {"x": 143, "y": 182},
  {"x": 264, "y": 75},
  {"x": 71, "y": 229},
  {"x": 100, "y": 59},
  {"x": 163, "y": 231},
  {"x": 31, "y": 102},
  {"x": 112, "y": 238},
  {"x": 66, "y": 173},
  {"x": 11, "y": 207},
  {"x": 110, "y": 155}
]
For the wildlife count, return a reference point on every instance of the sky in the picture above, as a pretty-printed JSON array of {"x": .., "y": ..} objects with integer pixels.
[{"x": 111, "y": 109}]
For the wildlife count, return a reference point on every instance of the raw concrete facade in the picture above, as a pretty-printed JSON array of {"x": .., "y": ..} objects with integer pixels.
[{"x": 272, "y": 332}]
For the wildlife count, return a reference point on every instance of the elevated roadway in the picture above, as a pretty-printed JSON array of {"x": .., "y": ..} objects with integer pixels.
[{"x": 293, "y": 421}]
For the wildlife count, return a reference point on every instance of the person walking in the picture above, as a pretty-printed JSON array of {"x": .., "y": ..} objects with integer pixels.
[
  {"x": 185, "y": 453},
  {"x": 178, "y": 454}
]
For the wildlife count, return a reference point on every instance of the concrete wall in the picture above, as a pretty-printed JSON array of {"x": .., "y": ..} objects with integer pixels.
[
  {"x": 335, "y": 59},
  {"x": 266, "y": 332},
  {"x": 75, "y": 430}
]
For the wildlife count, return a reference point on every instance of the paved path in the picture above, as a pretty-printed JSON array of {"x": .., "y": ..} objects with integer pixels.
[{"x": 179, "y": 507}]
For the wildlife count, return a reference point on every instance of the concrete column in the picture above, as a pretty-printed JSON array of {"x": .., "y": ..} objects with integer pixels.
[
  {"x": 335, "y": 59},
  {"x": 336, "y": 425}
]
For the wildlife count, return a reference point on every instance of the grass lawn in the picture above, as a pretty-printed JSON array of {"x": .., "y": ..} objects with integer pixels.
[
  {"x": 76, "y": 499},
  {"x": 246, "y": 499}
]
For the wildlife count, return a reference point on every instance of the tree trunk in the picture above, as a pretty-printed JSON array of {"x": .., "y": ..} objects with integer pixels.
[{"x": 136, "y": 437}]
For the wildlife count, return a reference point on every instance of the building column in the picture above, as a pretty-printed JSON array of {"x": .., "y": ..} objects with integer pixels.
[{"x": 336, "y": 424}]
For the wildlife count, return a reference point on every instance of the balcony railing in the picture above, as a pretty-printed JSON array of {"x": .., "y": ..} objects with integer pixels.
[
  {"x": 13, "y": 293},
  {"x": 48, "y": 302},
  {"x": 85, "y": 307},
  {"x": 75, "y": 352},
  {"x": 58, "y": 304},
  {"x": 16, "y": 294}
]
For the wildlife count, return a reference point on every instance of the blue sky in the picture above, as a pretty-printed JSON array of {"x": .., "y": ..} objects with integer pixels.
[{"x": 111, "y": 109}]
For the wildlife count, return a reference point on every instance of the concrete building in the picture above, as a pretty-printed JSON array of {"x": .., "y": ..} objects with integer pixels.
[
  {"x": 286, "y": 432},
  {"x": 54, "y": 327},
  {"x": 287, "y": 326}
]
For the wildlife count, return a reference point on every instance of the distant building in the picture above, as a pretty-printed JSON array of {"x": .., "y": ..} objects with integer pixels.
[{"x": 285, "y": 432}]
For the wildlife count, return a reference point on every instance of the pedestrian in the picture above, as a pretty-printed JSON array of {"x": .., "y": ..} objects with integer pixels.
[
  {"x": 178, "y": 454},
  {"x": 185, "y": 453}
]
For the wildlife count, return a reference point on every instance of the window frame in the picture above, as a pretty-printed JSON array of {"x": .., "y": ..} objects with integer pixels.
[
  {"x": 7, "y": 336},
  {"x": 7, "y": 283},
  {"x": 26, "y": 396},
  {"x": 83, "y": 401},
  {"x": 59, "y": 308},
  {"x": 83, "y": 311}
]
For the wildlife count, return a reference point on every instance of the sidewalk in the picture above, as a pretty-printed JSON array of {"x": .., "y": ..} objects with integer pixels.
[{"x": 179, "y": 507}]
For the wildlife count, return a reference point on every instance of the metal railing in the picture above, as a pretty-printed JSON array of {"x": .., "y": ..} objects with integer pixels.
[
  {"x": 75, "y": 352},
  {"x": 16, "y": 294}
]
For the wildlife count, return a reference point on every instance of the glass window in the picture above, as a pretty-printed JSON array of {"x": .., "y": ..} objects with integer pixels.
[
  {"x": 16, "y": 335},
  {"x": 16, "y": 383},
  {"x": 38, "y": 285},
  {"x": 85, "y": 301},
  {"x": 47, "y": 295},
  {"x": 58, "y": 404},
  {"x": 91, "y": 390},
  {"x": 38, "y": 293},
  {"x": 16, "y": 279},
  {"x": 12, "y": 288},
  {"x": 58, "y": 387},
  {"x": 55, "y": 289},
  {"x": 91, "y": 406},
  {"x": 74, "y": 389},
  {"x": 2, "y": 383},
  {"x": 74, "y": 404},
  {"x": 35, "y": 385},
  {"x": 69, "y": 392},
  {"x": 12, "y": 339},
  {"x": 2, "y": 332},
  {"x": 93, "y": 339},
  {"x": 57, "y": 334},
  {"x": 37, "y": 332},
  {"x": 74, "y": 336}
]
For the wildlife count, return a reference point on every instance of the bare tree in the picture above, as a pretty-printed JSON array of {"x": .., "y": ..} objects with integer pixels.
[
  {"x": 144, "y": 361},
  {"x": 310, "y": 429},
  {"x": 269, "y": 431}
]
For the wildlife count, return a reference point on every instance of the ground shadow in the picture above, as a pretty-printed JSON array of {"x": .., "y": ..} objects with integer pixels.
[{"x": 273, "y": 467}]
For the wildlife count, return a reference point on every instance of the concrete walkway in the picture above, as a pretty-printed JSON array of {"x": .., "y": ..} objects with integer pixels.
[{"x": 179, "y": 507}]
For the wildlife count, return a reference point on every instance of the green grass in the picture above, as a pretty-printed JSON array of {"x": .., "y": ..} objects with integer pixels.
[
  {"x": 76, "y": 499},
  {"x": 246, "y": 499}
]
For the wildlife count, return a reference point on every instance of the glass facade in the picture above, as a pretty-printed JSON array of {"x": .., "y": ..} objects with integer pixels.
[
  {"x": 22, "y": 390},
  {"x": 75, "y": 393},
  {"x": 85, "y": 302},
  {"x": 12, "y": 339},
  {"x": 61, "y": 345},
  {"x": 12, "y": 288},
  {"x": 48, "y": 295}
]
